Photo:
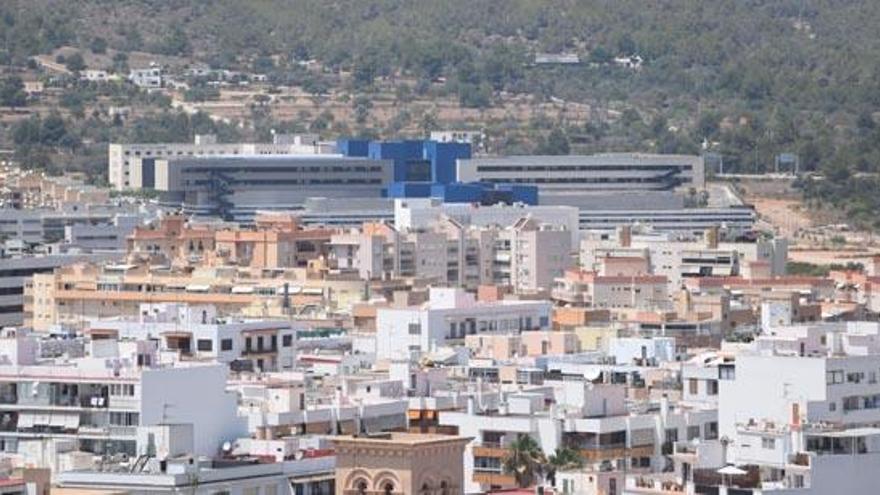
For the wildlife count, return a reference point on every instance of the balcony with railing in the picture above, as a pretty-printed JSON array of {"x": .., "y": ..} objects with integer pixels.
[
  {"x": 489, "y": 465},
  {"x": 710, "y": 477},
  {"x": 800, "y": 459},
  {"x": 254, "y": 350},
  {"x": 655, "y": 484},
  {"x": 490, "y": 450},
  {"x": 607, "y": 446},
  {"x": 8, "y": 397},
  {"x": 571, "y": 295}
]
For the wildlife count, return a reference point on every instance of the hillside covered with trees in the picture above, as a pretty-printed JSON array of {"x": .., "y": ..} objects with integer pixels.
[{"x": 747, "y": 79}]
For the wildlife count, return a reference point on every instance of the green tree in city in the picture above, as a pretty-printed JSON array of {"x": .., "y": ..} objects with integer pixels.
[
  {"x": 564, "y": 459},
  {"x": 525, "y": 461}
]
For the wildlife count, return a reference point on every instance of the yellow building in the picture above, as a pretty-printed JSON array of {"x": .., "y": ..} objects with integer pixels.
[
  {"x": 595, "y": 338},
  {"x": 75, "y": 294}
]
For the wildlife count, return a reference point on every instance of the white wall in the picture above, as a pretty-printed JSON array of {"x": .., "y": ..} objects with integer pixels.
[{"x": 194, "y": 395}]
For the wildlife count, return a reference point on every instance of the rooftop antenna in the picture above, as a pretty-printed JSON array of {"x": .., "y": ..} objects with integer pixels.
[{"x": 165, "y": 408}]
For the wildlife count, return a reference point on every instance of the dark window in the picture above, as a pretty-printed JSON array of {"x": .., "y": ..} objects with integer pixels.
[
  {"x": 287, "y": 340},
  {"x": 226, "y": 345},
  {"x": 205, "y": 345}
]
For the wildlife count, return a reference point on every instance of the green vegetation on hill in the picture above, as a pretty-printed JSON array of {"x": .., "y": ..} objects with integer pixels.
[{"x": 751, "y": 78}]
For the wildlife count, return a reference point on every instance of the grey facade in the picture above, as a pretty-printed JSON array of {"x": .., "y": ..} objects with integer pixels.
[
  {"x": 236, "y": 187},
  {"x": 602, "y": 172},
  {"x": 131, "y": 165},
  {"x": 737, "y": 220}
]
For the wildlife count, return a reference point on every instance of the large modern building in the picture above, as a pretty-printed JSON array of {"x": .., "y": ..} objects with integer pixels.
[
  {"x": 122, "y": 157},
  {"x": 585, "y": 173},
  {"x": 236, "y": 187},
  {"x": 739, "y": 220},
  {"x": 424, "y": 161},
  {"x": 82, "y": 222}
]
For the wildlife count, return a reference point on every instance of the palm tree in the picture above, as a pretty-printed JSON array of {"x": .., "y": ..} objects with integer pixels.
[
  {"x": 525, "y": 460},
  {"x": 565, "y": 458}
]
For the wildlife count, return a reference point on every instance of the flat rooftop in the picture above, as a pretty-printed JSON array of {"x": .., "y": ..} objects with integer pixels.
[{"x": 399, "y": 438}]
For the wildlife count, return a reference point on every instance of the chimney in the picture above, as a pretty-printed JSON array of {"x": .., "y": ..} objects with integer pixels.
[
  {"x": 624, "y": 236},
  {"x": 664, "y": 408},
  {"x": 711, "y": 236}
]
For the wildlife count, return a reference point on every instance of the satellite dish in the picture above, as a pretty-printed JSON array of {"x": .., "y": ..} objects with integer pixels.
[
  {"x": 226, "y": 447},
  {"x": 299, "y": 455}
]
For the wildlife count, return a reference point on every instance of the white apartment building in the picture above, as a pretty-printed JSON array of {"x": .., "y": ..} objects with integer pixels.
[
  {"x": 165, "y": 463},
  {"x": 680, "y": 258},
  {"x": 422, "y": 213},
  {"x": 448, "y": 316},
  {"x": 198, "y": 333},
  {"x": 700, "y": 377},
  {"x": 590, "y": 418},
  {"x": 645, "y": 351},
  {"x": 278, "y": 408},
  {"x": 95, "y": 403},
  {"x": 801, "y": 404}
]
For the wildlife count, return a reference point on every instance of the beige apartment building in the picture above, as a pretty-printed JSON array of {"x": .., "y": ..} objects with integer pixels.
[
  {"x": 35, "y": 190},
  {"x": 75, "y": 294},
  {"x": 275, "y": 241},
  {"x": 538, "y": 253},
  {"x": 526, "y": 256},
  {"x": 591, "y": 289},
  {"x": 505, "y": 346}
]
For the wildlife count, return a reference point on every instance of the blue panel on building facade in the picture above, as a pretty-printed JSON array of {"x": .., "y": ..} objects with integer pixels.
[
  {"x": 414, "y": 160},
  {"x": 353, "y": 147},
  {"x": 407, "y": 156},
  {"x": 409, "y": 190},
  {"x": 443, "y": 158}
]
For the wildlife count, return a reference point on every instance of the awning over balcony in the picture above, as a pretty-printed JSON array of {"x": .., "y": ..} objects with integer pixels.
[
  {"x": 67, "y": 421},
  {"x": 26, "y": 420}
]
